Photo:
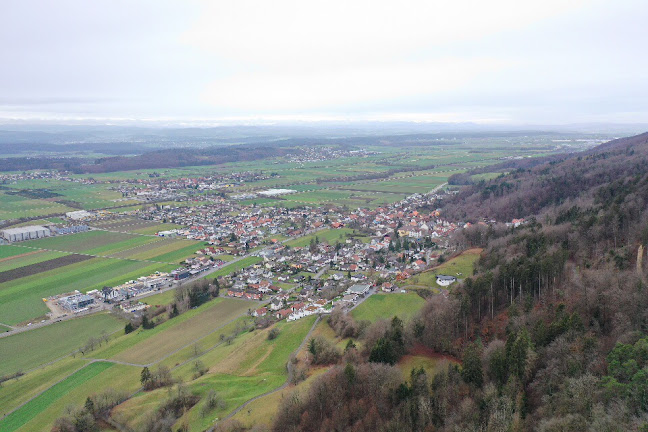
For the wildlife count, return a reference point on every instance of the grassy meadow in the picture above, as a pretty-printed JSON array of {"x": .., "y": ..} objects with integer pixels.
[
  {"x": 386, "y": 306},
  {"x": 27, "y": 350}
]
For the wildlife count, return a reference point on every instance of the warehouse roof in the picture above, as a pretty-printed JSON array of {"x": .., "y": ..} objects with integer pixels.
[{"x": 27, "y": 229}]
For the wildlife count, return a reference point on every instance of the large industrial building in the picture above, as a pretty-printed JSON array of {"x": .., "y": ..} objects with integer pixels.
[
  {"x": 76, "y": 302},
  {"x": 25, "y": 233}
]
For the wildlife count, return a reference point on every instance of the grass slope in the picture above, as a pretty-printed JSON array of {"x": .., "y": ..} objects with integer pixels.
[
  {"x": 217, "y": 313},
  {"x": 386, "y": 306},
  {"x": 31, "y": 409},
  {"x": 118, "y": 377},
  {"x": 35, "y": 347}
]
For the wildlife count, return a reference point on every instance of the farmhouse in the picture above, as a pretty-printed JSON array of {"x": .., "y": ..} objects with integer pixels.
[{"x": 445, "y": 280}]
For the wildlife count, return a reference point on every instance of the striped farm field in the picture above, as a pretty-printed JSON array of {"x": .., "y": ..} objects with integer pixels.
[
  {"x": 15, "y": 206},
  {"x": 40, "y": 267},
  {"x": 180, "y": 254},
  {"x": 161, "y": 246},
  {"x": 21, "y": 299},
  {"x": 33, "y": 348},
  {"x": 121, "y": 246},
  {"x": 80, "y": 242},
  {"x": 9, "y": 251},
  {"x": 41, "y": 413},
  {"x": 127, "y": 224},
  {"x": 16, "y": 392},
  {"x": 30, "y": 410},
  {"x": 28, "y": 257}
]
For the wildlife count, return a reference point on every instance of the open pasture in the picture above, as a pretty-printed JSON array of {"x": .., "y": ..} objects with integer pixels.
[
  {"x": 212, "y": 316},
  {"x": 80, "y": 242},
  {"x": 426, "y": 358},
  {"x": 132, "y": 225},
  {"x": 34, "y": 407},
  {"x": 40, "y": 413},
  {"x": 405, "y": 185},
  {"x": 27, "y": 350},
  {"x": 386, "y": 306},
  {"x": 27, "y": 257},
  {"x": 254, "y": 366},
  {"x": 15, "y": 206},
  {"x": 15, "y": 392},
  {"x": 460, "y": 266},
  {"x": 40, "y": 267}
]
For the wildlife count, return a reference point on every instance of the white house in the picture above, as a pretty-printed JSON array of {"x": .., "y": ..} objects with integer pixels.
[{"x": 445, "y": 280}]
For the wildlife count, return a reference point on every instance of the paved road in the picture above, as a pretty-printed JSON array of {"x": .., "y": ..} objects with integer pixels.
[{"x": 321, "y": 272}]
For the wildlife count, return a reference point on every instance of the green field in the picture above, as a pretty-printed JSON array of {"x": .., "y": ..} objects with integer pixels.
[
  {"x": 249, "y": 366},
  {"x": 21, "y": 299},
  {"x": 29, "y": 349},
  {"x": 431, "y": 365},
  {"x": 161, "y": 299},
  {"x": 15, "y": 206},
  {"x": 14, "y": 393},
  {"x": 386, "y": 306},
  {"x": 118, "y": 377},
  {"x": 7, "y": 251},
  {"x": 214, "y": 315},
  {"x": 263, "y": 410},
  {"x": 34, "y": 407},
  {"x": 460, "y": 266},
  {"x": 32, "y": 257},
  {"x": 81, "y": 242}
]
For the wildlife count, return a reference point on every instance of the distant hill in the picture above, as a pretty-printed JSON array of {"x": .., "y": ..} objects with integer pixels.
[{"x": 536, "y": 186}]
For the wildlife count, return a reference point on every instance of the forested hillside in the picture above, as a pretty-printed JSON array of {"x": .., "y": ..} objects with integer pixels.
[{"x": 551, "y": 328}]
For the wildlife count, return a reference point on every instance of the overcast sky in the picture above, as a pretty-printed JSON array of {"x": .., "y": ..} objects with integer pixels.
[{"x": 496, "y": 61}]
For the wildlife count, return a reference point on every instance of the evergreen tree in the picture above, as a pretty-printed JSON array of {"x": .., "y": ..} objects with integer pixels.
[
  {"x": 128, "y": 328},
  {"x": 89, "y": 405},
  {"x": 145, "y": 376},
  {"x": 472, "y": 367}
]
